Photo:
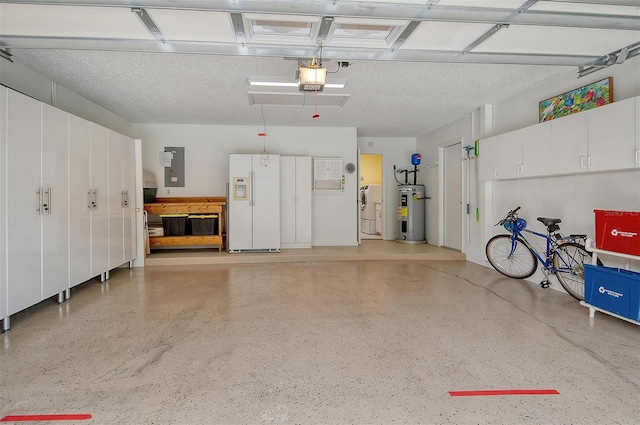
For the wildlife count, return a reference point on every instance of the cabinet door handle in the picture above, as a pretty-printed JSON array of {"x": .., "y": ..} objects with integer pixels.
[
  {"x": 46, "y": 204},
  {"x": 637, "y": 156},
  {"x": 495, "y": 172},
  {"x": 589, "y": 161},
  {"x": 39, "y": 201},
  {"x": 95, "y": 199},
  {"x": 582, "y": 164},
  {"x": 522, "y": 169},
  {"x": 122, "y": 199}
]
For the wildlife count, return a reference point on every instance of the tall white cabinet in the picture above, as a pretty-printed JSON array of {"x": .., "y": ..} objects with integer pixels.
[
  {"x": 3, "y": 206},
  {"x": 24, "y": 268},
  {"x": 56, "y": 226},
  {"x": 80, "y": 197},
  {"x": 295, "y": 201},
  {"x": 121, "y": 199}
]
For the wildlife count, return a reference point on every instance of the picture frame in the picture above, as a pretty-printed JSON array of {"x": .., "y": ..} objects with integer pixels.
[{"x": 593, "y": 95}]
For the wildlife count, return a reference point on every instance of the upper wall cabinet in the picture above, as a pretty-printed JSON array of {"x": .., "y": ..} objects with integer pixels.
[
  {"x": 596, "y": 140},
  {"x": 525, "y": 153},
  {"x": 490, "y": 156},
  {"x": 601, "y": 139}
]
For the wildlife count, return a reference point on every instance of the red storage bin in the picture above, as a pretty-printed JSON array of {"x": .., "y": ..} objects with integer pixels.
[{"x": 618, "y": 231}]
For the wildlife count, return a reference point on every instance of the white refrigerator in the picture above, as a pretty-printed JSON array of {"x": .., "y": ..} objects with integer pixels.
[{"x": 253, "y": 203}]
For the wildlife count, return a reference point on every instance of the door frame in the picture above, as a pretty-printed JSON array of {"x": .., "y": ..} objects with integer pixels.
[{"x": 441, "y": 189}]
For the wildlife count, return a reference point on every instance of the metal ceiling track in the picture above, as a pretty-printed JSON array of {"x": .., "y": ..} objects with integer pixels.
[
  {"x": 329, "y": 53},
  {"x": 362, "y": 9}
]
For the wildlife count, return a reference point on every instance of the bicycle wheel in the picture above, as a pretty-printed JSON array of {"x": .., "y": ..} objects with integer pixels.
[
  {"x": 568, "y": 262},
  {"x": 522, "y": 263}
]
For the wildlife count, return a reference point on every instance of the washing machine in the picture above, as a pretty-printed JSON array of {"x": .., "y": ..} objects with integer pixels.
[{"x": 369, "y": 195}]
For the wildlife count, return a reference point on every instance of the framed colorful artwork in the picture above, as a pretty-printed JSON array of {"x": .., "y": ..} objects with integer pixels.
[{"x": 591, "y": 96}]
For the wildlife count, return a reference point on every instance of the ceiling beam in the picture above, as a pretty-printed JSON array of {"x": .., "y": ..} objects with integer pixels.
[
  {"x": 329, "y": 53},
  {"x": 363, "y": 9}
]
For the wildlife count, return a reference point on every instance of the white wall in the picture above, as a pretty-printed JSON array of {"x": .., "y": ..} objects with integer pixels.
[
  {"x": 395, "y": 151},
  {"x": 24, "y": 80},
  {"x": 571, "y": 198},
  {"x": 207, "y": 149}
]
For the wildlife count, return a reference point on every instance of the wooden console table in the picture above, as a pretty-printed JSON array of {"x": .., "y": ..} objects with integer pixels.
[{"x": 197, "y": 205}]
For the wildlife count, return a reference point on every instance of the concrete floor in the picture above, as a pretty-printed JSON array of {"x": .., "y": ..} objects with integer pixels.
[{"x": 350, "y": 342}]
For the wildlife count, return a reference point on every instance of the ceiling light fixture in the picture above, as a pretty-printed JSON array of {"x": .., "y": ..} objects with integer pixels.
[
  {"x": 290, "y": 82},
  {"x": 312, "y": 78}
]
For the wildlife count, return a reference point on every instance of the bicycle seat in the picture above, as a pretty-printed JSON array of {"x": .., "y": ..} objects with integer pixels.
[{"x": 549, "y": 221}]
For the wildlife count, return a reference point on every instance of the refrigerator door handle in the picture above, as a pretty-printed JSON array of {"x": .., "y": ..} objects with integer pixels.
[{"x": 252, "y": 193}]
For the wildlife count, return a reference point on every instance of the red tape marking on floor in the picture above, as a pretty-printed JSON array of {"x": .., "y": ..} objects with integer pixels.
[
  {"x": 25, "y": 418},
  {"x": 500, "y": 392}
]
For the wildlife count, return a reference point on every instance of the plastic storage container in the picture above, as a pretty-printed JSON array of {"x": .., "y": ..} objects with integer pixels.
[
  {"x": 174, "y": 224},
  {"x": 613, "y": 290},
  {"x": 618, "y": 231},
  {"x": 204, "y": 224}
]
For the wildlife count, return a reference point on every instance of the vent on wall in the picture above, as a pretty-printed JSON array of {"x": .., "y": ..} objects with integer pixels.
[{"x": 297, "y": 99}]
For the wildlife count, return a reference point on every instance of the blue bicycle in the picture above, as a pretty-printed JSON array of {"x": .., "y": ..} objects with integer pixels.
[{"x": 514, "y": 256}]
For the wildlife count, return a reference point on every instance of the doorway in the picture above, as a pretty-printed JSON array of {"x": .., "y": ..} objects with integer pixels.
[{"x": 371, "y": 197}]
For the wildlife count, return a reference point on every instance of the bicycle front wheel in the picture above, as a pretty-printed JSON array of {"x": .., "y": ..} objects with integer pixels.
[
  {"x": 518, "y": 264},
  {"x": 568, "y": 262}
]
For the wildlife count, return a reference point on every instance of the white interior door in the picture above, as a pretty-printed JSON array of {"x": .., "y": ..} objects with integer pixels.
[{"x": 453, "y": 196}]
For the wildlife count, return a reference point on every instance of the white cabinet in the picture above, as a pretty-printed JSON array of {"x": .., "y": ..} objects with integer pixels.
[
  {"x": 489, "y": 157},
  {"x": 295, "y": 201},
  {"x": 596, "y": 140},
  {"x": 80, "y": 198},
  {"x": 55, "y": 194},
  {"x": 636, "y": 153},
  {"x": 327, "y": 173},
  {"x": 129, "y": 188},
  {"x": 121, "y": 201},
  {"x": 116, "y": 200},
  {"x": 3, "y": 206},
  {"x": 37, "y": 202},
  {"x": 24, "y": 267},
  {"x": 99, "y": 188},
  {"x": 54, "y": 225},
  {"x": 379, "y": 218},
  {"x": 525, "y": 152}
]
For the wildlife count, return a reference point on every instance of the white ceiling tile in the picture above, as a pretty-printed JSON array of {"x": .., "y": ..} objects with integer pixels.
[
  {"x": 71, "y": 21},
  {"x": 444, "y": 36},
  {"x": 554, "y": 6},
  {"x": 194, "y": 25},
  {"x": 558, "y": 40}
]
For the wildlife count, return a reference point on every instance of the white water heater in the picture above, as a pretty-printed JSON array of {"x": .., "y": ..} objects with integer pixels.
[{"x": 410, "y": 215}]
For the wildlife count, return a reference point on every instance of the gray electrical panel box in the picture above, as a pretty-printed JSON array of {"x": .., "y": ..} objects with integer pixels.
[{"x": 174, "y": 174}]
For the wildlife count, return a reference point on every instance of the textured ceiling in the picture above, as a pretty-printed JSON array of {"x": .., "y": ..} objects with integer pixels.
[
  {"x": 189, "y": 61},
  {"x": 387, "y": 98}
]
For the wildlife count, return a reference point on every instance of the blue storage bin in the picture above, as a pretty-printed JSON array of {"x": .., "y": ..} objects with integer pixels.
[{"x": 613, "y": 290}]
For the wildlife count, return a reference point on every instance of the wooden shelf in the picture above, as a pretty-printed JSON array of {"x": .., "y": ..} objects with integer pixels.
[{"x": 200, "y": 205}]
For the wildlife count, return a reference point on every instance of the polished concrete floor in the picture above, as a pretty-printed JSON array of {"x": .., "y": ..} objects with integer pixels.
[{"x": 343, "y": 342}]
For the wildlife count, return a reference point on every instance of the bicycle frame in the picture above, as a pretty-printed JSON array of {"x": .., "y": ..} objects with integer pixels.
[{"x": 546, "y": 262}]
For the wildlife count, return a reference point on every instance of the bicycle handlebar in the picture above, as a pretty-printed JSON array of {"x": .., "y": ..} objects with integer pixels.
[{"x": 511, "y": 215}]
